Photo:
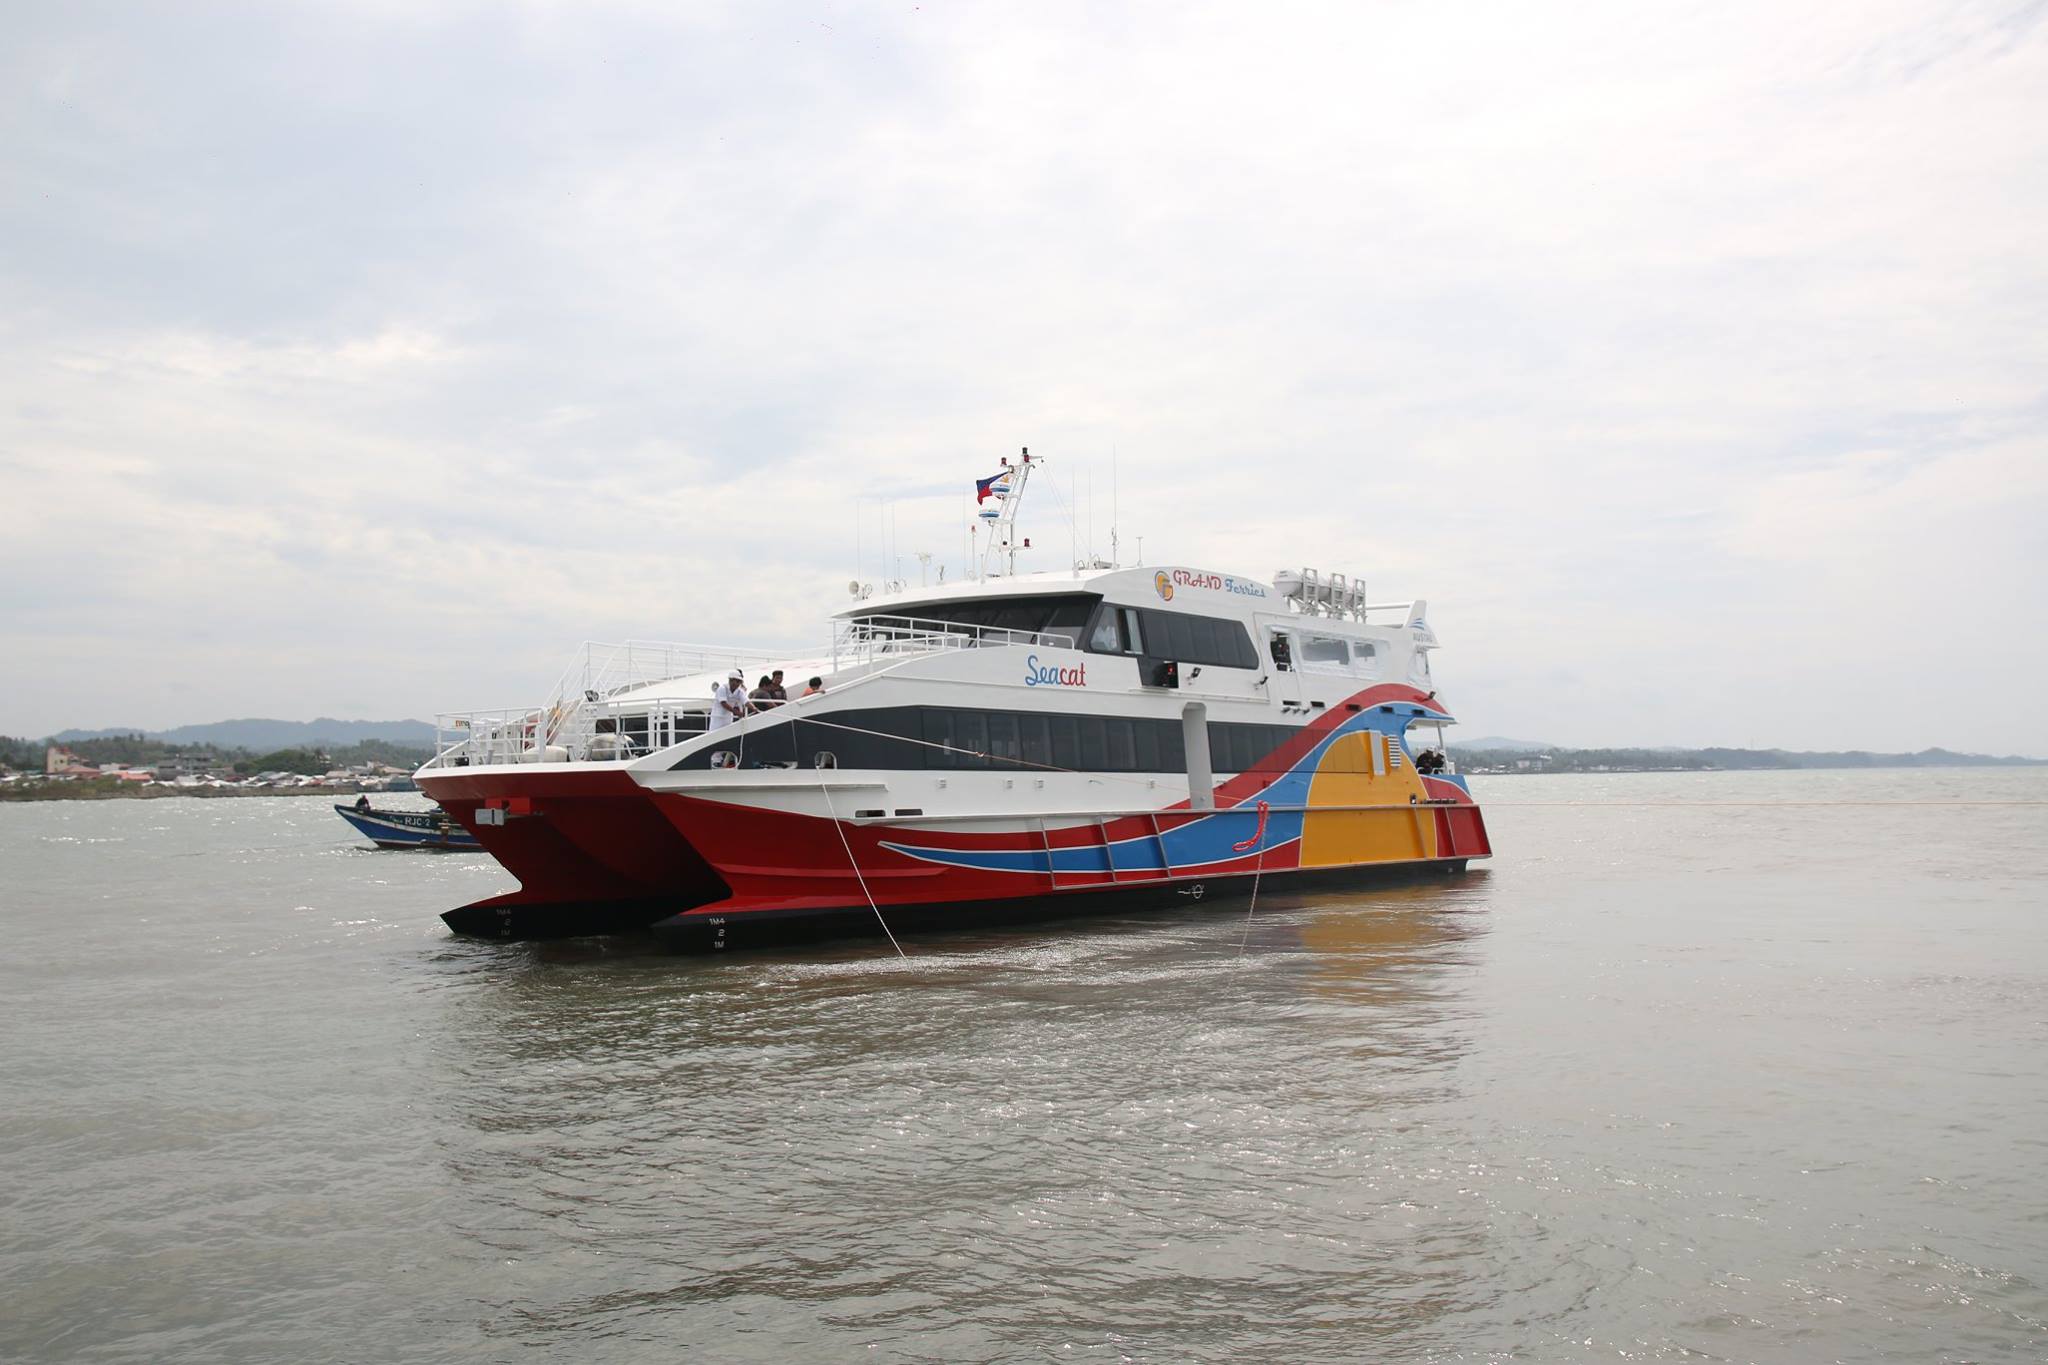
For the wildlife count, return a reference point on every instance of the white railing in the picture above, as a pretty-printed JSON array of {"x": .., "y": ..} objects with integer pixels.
[
  {"x": 593, "y": 716},
  {"x": 565, "y": 728},
  {"x": 867, "y": 640}
]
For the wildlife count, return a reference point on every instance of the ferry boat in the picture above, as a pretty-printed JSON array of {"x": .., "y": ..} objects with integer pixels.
[{"x": 1011, "y": 746}]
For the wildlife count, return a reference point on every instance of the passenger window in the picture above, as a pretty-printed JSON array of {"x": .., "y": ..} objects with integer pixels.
[
  {"x": 1003, "y": 747},
  {"x": 1173, "y": 757},
  {"x": 1148, "y": 748},
  {"x": 970, "y": 732},
  {"x": 1094, "y": 744},
  {"x": 1066, "y": 742},
  {"x": 1037, "y": 739},
  {"x": 1322, "y": 649},
  {"x": 1123, "y": 753},
  {"x": 938, "y": 729}
]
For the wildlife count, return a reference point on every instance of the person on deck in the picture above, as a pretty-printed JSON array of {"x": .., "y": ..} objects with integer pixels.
[
  {"x": 775, "y": 688},
  {"x": 814, "y": 687},
  {"x": 729, "y": 700},
  {"x": 762, "y": 696}
]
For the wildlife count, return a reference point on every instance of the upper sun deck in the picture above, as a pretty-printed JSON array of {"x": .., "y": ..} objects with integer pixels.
[{"x": 1291, "y": 594}]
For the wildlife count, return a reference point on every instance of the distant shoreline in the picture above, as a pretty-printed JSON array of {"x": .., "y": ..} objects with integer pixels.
[
  {"x": 79, "y": 791},
  {"x": 141, "y": 791}
]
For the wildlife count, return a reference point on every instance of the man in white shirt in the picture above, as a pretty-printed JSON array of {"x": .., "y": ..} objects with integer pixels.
[{"x": 728, "y": 700}]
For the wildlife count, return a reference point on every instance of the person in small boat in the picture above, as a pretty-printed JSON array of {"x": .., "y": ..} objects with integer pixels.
[
  {"x": 729, "y": 700},
  {"x": 814, "y": 687},
  {"x": 363, "y": 802}
]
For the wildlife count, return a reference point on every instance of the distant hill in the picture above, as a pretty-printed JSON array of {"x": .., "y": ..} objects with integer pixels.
[
  {"x": 1496, "y": 745},
  {"x": 264, "y": 736},
  {"x": 1478, "y": 758}
]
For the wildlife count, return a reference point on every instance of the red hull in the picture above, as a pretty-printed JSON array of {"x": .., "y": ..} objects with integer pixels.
[{"x": 596, "y": 853}]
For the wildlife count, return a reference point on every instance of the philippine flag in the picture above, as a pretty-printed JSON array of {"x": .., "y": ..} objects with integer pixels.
[{"x": 997, "y": 486}]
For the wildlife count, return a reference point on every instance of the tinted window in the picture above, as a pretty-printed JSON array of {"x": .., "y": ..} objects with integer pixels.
[
  {"x": 970, "y": 731},
  {"x": 1066, "y": 741},
  {"x": 905, "y": 738},
  {"x": 1015, "y": 613},
  {"x": 1066, "y": 619},
  {"x": 1094, "y": 744},
  {"x": 1004, "y": 748},
  {"x": 1148, "y": 748},
  {"x": 1036, "y": 732},
  {"x": 1197, "y": 640},
  {"x": 1219, "y": 748},
  {"x": 1019, "y": 616},
  {"x": 1173, "y": 756},
  {"x": 938, "y": 729},
  {"x": 1180, "y": 636},
  {"x": 1123, "y": 750}
]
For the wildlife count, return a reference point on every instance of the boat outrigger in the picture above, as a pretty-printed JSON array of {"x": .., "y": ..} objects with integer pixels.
[{"x": 1013, "y": 746}]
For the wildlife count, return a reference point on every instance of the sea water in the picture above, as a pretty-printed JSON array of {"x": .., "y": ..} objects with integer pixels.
[{"x": 1717, "y": 1066}]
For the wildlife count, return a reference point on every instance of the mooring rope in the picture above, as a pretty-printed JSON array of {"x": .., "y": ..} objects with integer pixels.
[
  {"x": 1258, "y": 870},
  {"x": 825, "y": 790}
]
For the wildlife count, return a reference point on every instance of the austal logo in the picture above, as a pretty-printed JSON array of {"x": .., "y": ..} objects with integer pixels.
[
  {"x": 1037, "y": 675},
  {"x": 1164, "y": 585}
]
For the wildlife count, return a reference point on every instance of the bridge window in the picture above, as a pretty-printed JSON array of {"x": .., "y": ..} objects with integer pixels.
[
  {"x": 1177, "y": 635},
  {"x": 1065, "y": 615}
]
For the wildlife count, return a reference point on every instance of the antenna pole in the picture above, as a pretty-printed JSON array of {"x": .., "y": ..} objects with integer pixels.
[{"x": 1002, "y": 529}]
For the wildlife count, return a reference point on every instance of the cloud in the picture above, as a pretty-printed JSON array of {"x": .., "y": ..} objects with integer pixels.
[{"x": 369, "y": 357}]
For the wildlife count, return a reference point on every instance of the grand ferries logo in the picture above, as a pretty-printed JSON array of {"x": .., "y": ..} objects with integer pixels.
[
  {"x": 1041, "y": 675},
  {"x": 1166, "y": 581}
]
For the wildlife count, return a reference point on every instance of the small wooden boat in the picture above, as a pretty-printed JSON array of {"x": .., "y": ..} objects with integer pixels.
[{"x": 407, "y": 828}]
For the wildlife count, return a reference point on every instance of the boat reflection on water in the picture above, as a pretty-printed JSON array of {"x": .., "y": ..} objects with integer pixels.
[
  {"x": 1385, "y": 944},
  {"x": 755, "y": 1131}
]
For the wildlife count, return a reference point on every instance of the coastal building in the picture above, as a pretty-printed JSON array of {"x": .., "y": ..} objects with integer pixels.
[{"x": 59, "y": 761}]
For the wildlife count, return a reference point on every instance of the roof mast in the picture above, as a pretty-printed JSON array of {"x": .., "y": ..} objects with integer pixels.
[{"x": 1002, "y": 531}]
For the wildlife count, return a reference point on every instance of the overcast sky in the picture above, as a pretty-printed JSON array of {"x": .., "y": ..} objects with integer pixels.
[{"x": 362, "y": 359}]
